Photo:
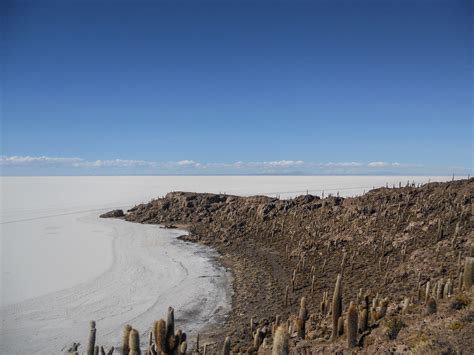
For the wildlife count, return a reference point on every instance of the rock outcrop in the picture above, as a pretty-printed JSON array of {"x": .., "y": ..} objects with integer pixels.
[{"x": 113, "y": 214}]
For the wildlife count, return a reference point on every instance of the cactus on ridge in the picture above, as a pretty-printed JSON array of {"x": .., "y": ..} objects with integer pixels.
[
  {"x": 159, "y": 330},
  {"x": 125, "y": 338},
  {"x": 134, "y": 341},
  {"x": 226, "y": 348},
  {"x": 91, "y": 341},
  {"x": 280, "y": 342},
  {"x": 468, "y": 273},
  {"x": 352, "y": 324},
  {"x": 183, "y": 347},
  {"x": 171, "y": 340},
  {"x": 336, "y": 306}
]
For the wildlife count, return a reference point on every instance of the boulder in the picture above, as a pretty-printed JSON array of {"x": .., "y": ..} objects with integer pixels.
[{"x": 113, "y": 214}]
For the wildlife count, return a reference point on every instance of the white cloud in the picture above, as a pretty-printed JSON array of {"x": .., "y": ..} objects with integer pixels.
[
  {"x": 271, "y": 164},
  {"x": 41, "y": 160},
  {"x": 278, "y": 164},
  {"x": 72, "y": 162},
  {"x": 115, "y": 163},
  {"x": 284, "y": 163},
  {"x": 344, "y": 164},
  {"x": 187, "y": 163},
  {"x": 383, "y": 164},
  {"x": 191, "y": 166},
  {"x": 378, "y": 164}
]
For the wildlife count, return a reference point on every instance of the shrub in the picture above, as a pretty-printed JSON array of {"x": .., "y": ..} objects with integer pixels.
[
  {"x": 456, "y": 325},
  {"x": 393, "y": 327},
  {"x": 460, "y": 301}
]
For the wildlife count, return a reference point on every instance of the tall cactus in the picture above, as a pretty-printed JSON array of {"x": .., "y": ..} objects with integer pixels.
[
  {"x": 125, "y": 339},
  {"x": 468, "y": 274},
  {"x": 323, "y": 305},
  {"x": 226, "y": 348},
  {"x": 427, "y": 291},
  {"x": 183, "y": 347},
  {"x": 134, "y": 341},
  {"x": 340, "y": 326},
  {"x": 448, "y": 288},
  {"x": 276, "y": 324},
  {"x": 439, "y": 289},
  {"x": 280, "y": 342},
  {"x": 405, "y": 305},
  {"x": 352, "y": 322},
  {"x": 170, "y": 322},
  {"x": 170, "y": 336},
  {"x": 159, "y": 330},
  {"x": 91, "y": 341},
  {"x": 300, "y": 327},
  {"x": 336, "y": 306},
  {"x": 303, "y": 314},
  {"x": 382, "y": 311},
  {"x": 257, "y": 339},
  {"x": 363, "y": 320},
  {"x": 302, "y": 318}
]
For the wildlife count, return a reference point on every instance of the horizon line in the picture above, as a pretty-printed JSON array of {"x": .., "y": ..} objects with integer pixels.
[{"x": 456, "y": 177}]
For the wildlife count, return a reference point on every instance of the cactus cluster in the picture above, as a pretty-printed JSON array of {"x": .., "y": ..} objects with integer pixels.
[{"x": 162, "y": 340}]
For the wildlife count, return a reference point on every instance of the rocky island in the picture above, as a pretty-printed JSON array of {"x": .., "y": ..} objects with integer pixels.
[{"x": 386, "y": 272}]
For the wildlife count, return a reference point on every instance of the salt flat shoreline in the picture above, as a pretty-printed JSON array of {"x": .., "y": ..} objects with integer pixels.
[{"x": 150, "y": 270}]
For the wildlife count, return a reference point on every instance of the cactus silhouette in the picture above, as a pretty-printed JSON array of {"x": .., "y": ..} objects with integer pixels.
[
  {"x": 134, "y": 341},
  {"x": 226, "y": 348},
  {"x": 91, "y": 341},
  {"x": 427, "y": 291},
  {"x": 340, "y": 326},
  {"x": 300, "y": 327},
  {"x": 171, "y": 340},
  {"x": 352, "y": 323},
  {"x": 183, "y": 347},
  {"x": 439, "y": 289},
  {"x": 363, "y": 320},
  {"x": 336, "y": 306},
  {"x": 280, "y": 342},
  {"x": 468, "y": 274},
  {"x": 125, "y": 340},
  {"x": 159, "y": 330},
  {"x": 302, "y": 318},
  {"x": 257, "y": 339}
]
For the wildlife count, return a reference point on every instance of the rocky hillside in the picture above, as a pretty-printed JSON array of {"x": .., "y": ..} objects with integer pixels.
[{"x": 389, "y": 247}]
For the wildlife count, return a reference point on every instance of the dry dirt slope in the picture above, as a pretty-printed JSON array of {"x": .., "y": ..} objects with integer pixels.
[{"x": 390, "y": 242}]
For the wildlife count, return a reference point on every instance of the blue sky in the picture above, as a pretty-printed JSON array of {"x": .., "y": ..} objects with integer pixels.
[{"x": 230, "y": 87}]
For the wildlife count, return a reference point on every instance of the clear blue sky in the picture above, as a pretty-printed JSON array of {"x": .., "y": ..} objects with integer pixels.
[{"x": 288, "y": 86}]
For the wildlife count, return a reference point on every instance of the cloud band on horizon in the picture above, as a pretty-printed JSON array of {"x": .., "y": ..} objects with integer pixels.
[{"x": 43, "y": 165}]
